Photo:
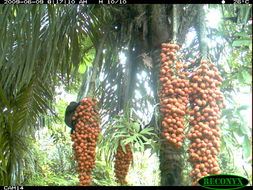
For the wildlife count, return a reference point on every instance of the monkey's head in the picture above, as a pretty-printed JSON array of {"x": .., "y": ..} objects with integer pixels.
[{"x": 70, "y": 110}]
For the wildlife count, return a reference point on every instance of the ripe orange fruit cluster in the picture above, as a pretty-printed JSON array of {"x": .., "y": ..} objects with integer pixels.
[
  {"x": 85, "y": 138},
  {"x": 206, "y": 100},
  {"x": 173, "y": 95},
  {"x": 122, "y": 163}
]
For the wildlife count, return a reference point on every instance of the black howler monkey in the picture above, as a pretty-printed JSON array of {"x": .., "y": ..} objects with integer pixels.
[{"x": 70, "y": 110}]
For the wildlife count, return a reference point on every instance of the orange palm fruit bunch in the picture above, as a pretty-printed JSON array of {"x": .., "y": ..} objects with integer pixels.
[
  {"x": 122, "y": 163},
  {"x": 206, "y": 102},
  {"x": 85, "y": 138},
  {"x": 173, "y": 95}
]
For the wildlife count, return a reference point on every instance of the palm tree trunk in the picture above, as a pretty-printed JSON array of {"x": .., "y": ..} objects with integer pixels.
[
  {"x": 84, "y": 86},
  {"x": 175, "y": 22},
  {"x": 201, "y": 27},
  {"x": 170, "y": 160},
  {"x": 130, "y": 76}
]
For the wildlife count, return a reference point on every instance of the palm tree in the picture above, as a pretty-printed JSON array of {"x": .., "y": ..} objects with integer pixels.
[
  {"x": 40, "y": 45},
  {"x": 138, "y": 31}
]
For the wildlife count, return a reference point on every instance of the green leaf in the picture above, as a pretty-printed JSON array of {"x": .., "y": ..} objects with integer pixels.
[
  {"x": 145, "y": 139},
  {"x": 136, "y": 126},
  {"x": 115, "y": 147},
  {"x": 129, "y": 139},
  {"x": 246, "y": 76},
  {"x": 118, "y": 126},
  {"x": 247, "y": 147},
  {"x": 3, "y": 97},
  {"x": 240, "y": 77},
  {"x": 115, "y": 119},
  {"x": 122, "y": 144},
  {"x": 88, "y": 59},
  {"x": 137, "y": 146},
  {"x": 124, "y": 136},
  {"x": 82, "y": 68},
  {"x": 141, "y": 145},
  {"x": 245, "y": 129},
  {"x": 242, "y": 34},
  {"x": 243, "y": 107},
  {"x": 244, "y": 14},
  {"x": 227, "y": 112},
  {"x": 238, "y": 43},
  {"x": 146, "y": 130},
  {"x": 123, "y": 131}
]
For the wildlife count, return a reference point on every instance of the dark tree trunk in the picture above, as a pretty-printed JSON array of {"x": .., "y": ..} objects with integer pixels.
[
  {"x": 95, "y": 67},
  {"x": 130, "y": 76},
  {"x": 170, "y": 160},
  {"x": 171, "y": 166}
]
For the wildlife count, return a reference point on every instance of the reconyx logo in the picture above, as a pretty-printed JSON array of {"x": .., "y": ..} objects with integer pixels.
[{"x": 223, "y": 181}]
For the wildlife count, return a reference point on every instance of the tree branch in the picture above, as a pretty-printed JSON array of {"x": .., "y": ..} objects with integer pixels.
[{"x": 96, "y": 65}]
